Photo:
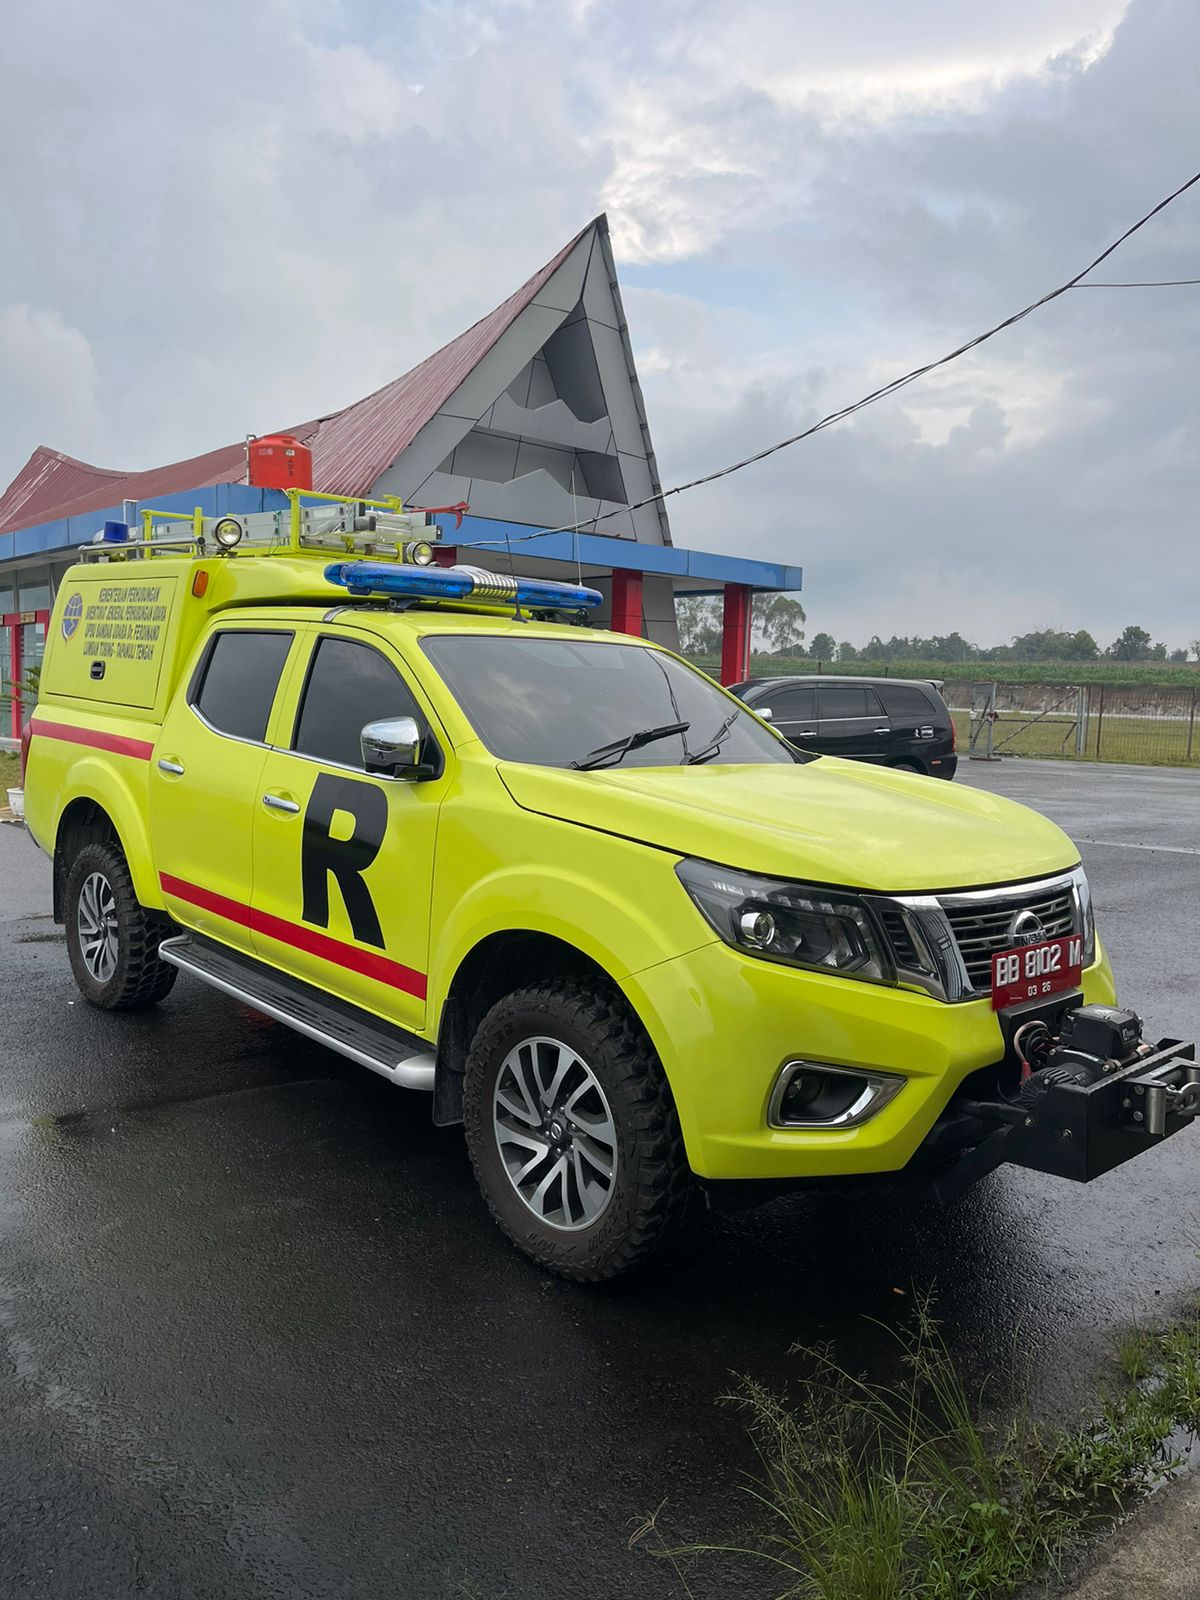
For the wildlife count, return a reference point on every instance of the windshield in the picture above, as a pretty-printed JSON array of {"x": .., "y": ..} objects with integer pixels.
[{"x": 552, "y": 702}]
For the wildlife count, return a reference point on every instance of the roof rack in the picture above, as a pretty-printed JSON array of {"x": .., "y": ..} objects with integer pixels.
[{"x": 351, "y": 525}]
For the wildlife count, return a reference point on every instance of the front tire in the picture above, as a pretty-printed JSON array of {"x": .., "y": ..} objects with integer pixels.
[
  {"x": 111, "y": 939},
  {"x": 572, "y": 1130}
]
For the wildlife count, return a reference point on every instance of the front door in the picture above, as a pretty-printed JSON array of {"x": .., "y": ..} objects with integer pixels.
[
  {"x": 343, "y": 860},
  {"x": 793, "y": 708},
  {"x": 205, "y": 781},
  {"x": 852, "y": 722}
]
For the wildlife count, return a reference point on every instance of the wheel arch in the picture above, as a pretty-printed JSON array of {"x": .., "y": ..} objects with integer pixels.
[
  {"x": 495, "y": 966},
  {"x": 104, "y": 810}
]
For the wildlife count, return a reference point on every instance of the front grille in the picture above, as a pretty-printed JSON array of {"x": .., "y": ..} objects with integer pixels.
[{"x": 981, "y": 927}]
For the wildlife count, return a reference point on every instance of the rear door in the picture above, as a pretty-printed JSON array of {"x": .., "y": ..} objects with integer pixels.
[
  {"x": 793, "y": 708},
  {"x": 852, "y": 722},
  {"x": 205, "y": 779},
  {"x": 920, "y": 728},
  {"x": 343, "y": 859}
]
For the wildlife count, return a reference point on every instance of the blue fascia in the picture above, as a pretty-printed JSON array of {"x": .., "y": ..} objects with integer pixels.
[
  {"x": 592, "y": 549},
  {"x": 601, "y": 550},
  {"x": 218, "y": 500}
]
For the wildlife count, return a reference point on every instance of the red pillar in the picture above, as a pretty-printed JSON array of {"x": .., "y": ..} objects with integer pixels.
[
  {"x": 626, "y": 602},
  {"x": 735, "y": 636},
  {"x": 15, "y": 673}
]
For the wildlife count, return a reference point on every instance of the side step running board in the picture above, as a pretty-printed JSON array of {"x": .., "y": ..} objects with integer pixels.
[{"x": 394, "y": 1054}]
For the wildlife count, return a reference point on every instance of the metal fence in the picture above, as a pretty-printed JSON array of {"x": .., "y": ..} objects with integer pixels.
[{"x": 1084, "y": 722}]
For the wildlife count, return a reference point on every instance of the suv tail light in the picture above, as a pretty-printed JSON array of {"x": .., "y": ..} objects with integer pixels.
[{"x": 953, "y": 733}]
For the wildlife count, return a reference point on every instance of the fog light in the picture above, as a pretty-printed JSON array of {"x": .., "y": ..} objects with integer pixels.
[{"x": 811, "y": 1094}]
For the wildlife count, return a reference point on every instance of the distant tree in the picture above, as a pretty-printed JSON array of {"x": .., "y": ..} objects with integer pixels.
[
  {"x": 1133, "y": 645},
  {"x": 873, "y": 649},
  {"x": 699, "y": 618},
  {"x": 1158, "y": 652},
  {"x": 1178, "y": 656},
  {"x": 846, "y": 651},
  {"x": 780, "y": 621},
  {"x": 822, "y": 647},
  {"x": 1194, "y": 647},
  {"x": 1052, "y": 644}
]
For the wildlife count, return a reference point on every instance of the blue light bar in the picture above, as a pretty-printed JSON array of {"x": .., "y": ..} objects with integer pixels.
[{"x": 459, "y": 583}]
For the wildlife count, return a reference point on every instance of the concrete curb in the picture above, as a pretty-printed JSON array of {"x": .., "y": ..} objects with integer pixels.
[{"x": 1155, "y": 1555}]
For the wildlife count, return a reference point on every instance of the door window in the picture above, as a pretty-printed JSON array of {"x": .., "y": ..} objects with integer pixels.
[
  {"x": 349, "y": 685},
  {"x": 844, "y": 701},
  {"x": 794, "y": 704},
  {"x": 235, "y": 686}
]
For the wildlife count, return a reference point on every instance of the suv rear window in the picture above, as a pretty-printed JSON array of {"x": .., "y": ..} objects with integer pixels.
[
  {"x": 906, "y": 701},
  {"x": 236, "y": 684}
]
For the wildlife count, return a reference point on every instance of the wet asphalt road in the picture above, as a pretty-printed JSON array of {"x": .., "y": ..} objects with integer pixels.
[{"x": 258, "y": 1337}]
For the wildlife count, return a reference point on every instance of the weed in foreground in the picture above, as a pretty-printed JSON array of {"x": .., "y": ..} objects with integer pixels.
[{"x": 900, "y": 1492}]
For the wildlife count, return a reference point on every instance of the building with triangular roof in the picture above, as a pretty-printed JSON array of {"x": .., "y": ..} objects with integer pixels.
[{"x": 531, "y": 420}]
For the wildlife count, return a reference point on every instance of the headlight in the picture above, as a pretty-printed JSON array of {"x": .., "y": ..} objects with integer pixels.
[{"x": 822, "y": 929}]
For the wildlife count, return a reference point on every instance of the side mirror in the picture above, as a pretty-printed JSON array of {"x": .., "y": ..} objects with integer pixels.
[
  {"x": 391, "y": 747},
  {"x": 765, "y": 713}
]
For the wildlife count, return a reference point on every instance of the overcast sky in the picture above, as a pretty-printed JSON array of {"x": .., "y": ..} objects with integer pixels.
[{"x": 217, "y": 219}]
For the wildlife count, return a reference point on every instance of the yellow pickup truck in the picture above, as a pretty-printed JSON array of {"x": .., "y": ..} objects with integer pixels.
[{"x": 642, "y": 947}]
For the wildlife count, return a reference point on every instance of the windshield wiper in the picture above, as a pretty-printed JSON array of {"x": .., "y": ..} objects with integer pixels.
[
  {"x": 608, "y": 755},
  {"x": 713, "y": 747}
]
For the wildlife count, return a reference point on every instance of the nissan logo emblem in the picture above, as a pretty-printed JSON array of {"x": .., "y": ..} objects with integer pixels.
[{"x": 1026, "y": 928}]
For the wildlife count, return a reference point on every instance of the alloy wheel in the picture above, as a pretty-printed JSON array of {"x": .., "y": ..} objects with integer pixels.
[
  {"x": 555, "y": 1133},
  {"x": 96, "y": 921}
]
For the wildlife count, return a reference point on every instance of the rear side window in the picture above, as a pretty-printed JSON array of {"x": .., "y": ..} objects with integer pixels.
[
  {"x": 236, "y": 685},
  {"x": 846, "y": 700},
  {"x": 910, "y": 704},
  {"x": 348, "y": 686},
  {"x": 794, "y": 704}
]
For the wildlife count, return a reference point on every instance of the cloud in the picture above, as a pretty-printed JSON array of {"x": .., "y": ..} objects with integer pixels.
[{"x": 225, "y": 218}]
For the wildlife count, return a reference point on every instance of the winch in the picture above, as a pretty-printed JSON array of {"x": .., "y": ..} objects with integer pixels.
[{"x": 1088, "y": 1097}]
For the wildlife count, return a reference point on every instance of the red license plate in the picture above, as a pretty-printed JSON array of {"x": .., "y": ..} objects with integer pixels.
[{"x": 1037, "y": 970}]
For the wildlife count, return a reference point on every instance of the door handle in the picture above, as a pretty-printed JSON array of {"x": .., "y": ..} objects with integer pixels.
[
  {"x": 883, "y": 730},
  {"x": 276, "y": 802},
  {"x": 807, "y": 733},
  {"x": 174, "y": 767}
]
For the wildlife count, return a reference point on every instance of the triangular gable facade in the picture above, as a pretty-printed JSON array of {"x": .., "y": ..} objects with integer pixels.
[
  {"x": 533, "y": 415},
  {"x": 548, "y": 427}
]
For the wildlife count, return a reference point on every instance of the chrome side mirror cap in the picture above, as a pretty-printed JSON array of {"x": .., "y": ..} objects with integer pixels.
[
  {"x": 391, "y": 747},
  {"x": 765, "y": 713}
]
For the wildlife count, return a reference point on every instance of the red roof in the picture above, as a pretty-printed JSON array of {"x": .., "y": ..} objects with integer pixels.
[{"x": 351, "y": 448}]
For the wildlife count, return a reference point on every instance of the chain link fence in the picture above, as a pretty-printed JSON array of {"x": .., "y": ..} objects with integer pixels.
[{"x": 1085, "y": 722}]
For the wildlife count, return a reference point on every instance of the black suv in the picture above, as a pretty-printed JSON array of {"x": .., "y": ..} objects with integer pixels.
[{"x": 896, "y": 722}]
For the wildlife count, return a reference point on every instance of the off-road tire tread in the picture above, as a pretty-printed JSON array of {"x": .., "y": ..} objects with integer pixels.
[
  {"x": 142, "y": 979},
  {"x": 663, "y": 1199}
]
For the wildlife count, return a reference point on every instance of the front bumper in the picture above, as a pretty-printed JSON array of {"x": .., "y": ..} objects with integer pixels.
[{"x": 724, "y": 1024}]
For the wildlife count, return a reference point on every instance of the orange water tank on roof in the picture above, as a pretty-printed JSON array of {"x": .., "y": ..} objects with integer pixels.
[{"x": 277, "y": 461}]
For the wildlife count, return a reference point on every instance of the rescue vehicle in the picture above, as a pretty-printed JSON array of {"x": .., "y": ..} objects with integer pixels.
[{"x": 642, "y": 947}]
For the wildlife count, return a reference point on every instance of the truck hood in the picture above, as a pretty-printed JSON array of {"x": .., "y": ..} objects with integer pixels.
[{"x": 827, "y": 821}]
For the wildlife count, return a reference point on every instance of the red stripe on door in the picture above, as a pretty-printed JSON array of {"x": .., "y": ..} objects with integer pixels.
[
  {"x": 314, "y": 943},
  {"x": 92, "y": 737}
]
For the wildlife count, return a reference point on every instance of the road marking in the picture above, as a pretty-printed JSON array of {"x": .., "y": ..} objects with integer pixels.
[{"x": 1119, "y": 844}]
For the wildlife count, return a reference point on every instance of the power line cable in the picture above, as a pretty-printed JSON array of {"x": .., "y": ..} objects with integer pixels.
[
  {"x": 1149, "y": 283},
  {"x": 883, "y": 391}
]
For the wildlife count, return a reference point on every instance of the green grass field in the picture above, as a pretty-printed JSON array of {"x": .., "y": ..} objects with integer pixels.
[
  {"x": 1128, "y": 673},
  {"x": 9, "y": 768}
]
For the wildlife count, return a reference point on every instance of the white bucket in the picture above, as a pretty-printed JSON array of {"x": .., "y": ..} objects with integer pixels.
[{"x": 16, "y": 803}]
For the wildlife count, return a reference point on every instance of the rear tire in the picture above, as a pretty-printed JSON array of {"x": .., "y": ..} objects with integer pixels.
[
  {"x": 573, "y": 1132},
  {"x": 111, "y": 939}
]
